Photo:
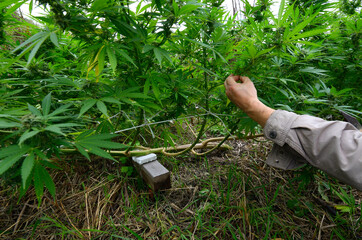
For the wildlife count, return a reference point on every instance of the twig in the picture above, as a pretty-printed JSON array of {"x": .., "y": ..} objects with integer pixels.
[
  {"x": 87, "y": 213},
  {"x": 86, "y": 191},
  {"x": 320, "y": 228},
  {"x": 329, "y": 226},
  {"x": 190, "y": 128},
  {"x": 66, "y": 214},
  {"x": 99, "y": 211},
  {"x": 20, "y": 215},
  {"x": 195, "y": 228},
  {"x": 3, "y": 232}
]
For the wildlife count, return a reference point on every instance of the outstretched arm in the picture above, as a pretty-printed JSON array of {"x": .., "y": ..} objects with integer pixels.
[{"x": 333, "y": 146}]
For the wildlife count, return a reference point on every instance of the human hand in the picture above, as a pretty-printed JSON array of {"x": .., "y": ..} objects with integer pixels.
[{"x": 244, "y": 95}]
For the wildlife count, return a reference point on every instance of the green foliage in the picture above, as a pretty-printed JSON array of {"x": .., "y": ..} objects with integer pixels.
[
  {"x": 296, "y": 55},
  {"x": 40, "y": 134},
  {"x": 93, "y": 68}
]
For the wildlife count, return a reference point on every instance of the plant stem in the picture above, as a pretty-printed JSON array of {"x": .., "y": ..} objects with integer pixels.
[
  {"x": 137, "y": 131},
  {"x": 222, "y": 141},
  {"x": 118, "y": 119},
  {"x": 4, "y": 131},
  {"x": 193, "y": 144},
  {"x": 202, "y": 145}
]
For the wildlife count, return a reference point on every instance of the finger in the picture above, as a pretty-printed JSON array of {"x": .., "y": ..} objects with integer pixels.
[
  {"x": 227, "y": 83},
  {"x": 244, "y": 79},
  {"x": 231, "y": 79}
]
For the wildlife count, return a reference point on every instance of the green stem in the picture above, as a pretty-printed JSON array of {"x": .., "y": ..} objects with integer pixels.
[
  {"x": 206, "y": 82},
  {"x": 205, "y": 118},
  {"x": 222, "y": 141},
  {"x": 117, "y": 122},
  {"x": 4, "y": 131},
  {"x": 137, "y": 132},
  {"x": 193, "y": 144}
]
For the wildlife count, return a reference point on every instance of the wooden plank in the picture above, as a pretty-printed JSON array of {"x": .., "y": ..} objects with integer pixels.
[{"x": 155, "y": 175}]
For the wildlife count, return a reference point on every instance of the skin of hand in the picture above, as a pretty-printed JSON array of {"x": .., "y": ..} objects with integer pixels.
[{"x": 244, "y": 95}]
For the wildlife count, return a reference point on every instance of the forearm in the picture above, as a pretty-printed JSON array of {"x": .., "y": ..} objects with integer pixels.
[
  {"x": 332, "y": 146},
  {"x": 335, "y": 147}
]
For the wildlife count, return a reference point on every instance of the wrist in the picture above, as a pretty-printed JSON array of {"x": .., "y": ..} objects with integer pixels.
[
  {"x": 259, "y": 112},
  {"x": 253, "y": 106}
]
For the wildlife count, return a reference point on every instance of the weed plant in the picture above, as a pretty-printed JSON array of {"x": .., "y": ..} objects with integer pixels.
[{"x": 150, "y": 74}]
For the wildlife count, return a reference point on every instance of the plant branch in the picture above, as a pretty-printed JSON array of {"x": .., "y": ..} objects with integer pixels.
[
  {"x": 203, "y": 145},
  {"x": 223, "y": 139},
  {"x": 216, "y": 139},
  {"x": 137, "y": 131},
  {"x": 192, "y": 145},
  {"x": 146, "y": 151},
  {"x": 4, "y": 131},
  {"x": 218, "y": 145}
]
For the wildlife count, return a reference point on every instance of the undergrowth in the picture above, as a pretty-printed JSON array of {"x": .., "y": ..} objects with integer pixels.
[{"x": 228, "y": 195}]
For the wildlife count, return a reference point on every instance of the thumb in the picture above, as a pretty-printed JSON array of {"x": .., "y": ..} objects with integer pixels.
[{"x": 230, "y": 80}]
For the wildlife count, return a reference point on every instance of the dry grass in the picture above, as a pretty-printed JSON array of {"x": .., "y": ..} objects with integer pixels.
[{"x": 227, "y": 195}]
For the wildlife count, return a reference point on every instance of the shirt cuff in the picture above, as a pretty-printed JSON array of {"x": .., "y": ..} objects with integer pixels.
[
  {"x": 277, "y": 129},
  {"x": 285, "y": 158},
  {"x": 278, "y": 126}
]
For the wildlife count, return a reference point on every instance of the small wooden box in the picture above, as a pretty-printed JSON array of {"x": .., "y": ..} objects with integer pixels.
[{"x": 153, "y": 172}]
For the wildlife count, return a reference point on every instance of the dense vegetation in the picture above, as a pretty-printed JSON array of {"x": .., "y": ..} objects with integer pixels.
[{"x": 90, "y": 71}]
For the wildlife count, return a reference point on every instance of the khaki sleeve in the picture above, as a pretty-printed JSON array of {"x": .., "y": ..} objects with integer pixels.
[{"x": 332, "y": 146}]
